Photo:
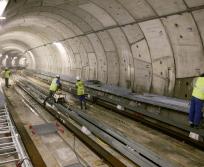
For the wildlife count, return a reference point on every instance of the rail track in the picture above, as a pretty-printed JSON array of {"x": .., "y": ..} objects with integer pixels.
[
  {"x": 134, "y": 152},
  {"x": 140, "y": 113}
]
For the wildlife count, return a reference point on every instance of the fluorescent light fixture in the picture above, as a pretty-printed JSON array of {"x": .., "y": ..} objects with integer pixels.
[
  {"x": 62, "y": 51},
  {"x": 2, "y": 18},
  {"x": 31, "y": 59},
  {"x": 59, "y": 46},
  {"x": 3, "y": 4},
  {"x": 29, "y": 52},
  {"x": 55, "y": 43}
]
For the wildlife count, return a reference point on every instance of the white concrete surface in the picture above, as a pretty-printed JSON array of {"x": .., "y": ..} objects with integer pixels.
[{"x": 141, "y": 44}]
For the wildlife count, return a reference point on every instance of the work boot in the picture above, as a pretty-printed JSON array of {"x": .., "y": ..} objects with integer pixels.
[
  {"x": 196, "y": 126},
  {"x": 85, "y": 106}
]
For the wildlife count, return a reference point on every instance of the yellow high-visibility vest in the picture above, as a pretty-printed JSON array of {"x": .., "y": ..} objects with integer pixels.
[
  {"x": 198, "y": 90},
  {"x": 80, "y": 88},
  {"x": 54, "y": 86},
  {"x": 7, "y": 73}
]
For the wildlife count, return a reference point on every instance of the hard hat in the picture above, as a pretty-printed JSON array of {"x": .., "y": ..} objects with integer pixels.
[
  {"x": 6, "y": 68},
  {"x": 57, "y": 76},
  {"x": 77, "y": 78}
]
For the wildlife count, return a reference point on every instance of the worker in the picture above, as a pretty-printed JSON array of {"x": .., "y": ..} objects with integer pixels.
[
  {"x": 80, "y": 92},
  {"x": 195, "y": 113},
  {"x": 55, "y": 85},
  {"x": 6, "y": 76}
]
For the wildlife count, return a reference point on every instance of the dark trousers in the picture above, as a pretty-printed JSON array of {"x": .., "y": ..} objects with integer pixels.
[
  {"x": 51, "y": 93},
  {"x": 195, "y": 113},
  {"x": 82, "y": 101},
  {"x": 7, "y": 82}
]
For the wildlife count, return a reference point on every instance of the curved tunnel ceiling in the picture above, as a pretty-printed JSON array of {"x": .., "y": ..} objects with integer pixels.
[{"x": 146, "y": 45}]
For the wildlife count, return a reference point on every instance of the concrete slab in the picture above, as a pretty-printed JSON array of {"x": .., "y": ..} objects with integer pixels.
[
  {"x": 44, "y": 129},
  {"x": 193, "y": 3},
  {"x": 133, "y": 33},
  {"x": 139, "y": 9},
  {"x": 99, "y": 13},
  {"x": 143, "y": 66},
  {"x": 166, "y": 7},
  {"x": 186, "y": 42},
  {"x": 161, "y": 55},
  {"x": 116, "y": 10},
  {"x": 125, "y": 57},
  {"x": 101, "y": 57}
]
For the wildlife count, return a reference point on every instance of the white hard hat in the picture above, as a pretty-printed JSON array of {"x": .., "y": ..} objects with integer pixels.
[
  {"x": 78, "y": 78},
  {"x": 57, "y": 76}
]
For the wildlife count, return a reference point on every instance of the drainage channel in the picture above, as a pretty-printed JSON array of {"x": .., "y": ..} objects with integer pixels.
[{"x": 134, "y": 152}]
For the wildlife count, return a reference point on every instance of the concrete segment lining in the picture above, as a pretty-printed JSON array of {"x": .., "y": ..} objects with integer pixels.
[
  {"x": 163, "y": 7},
  {"x": 161, "y": 55},
  {"x": 186, "y": 42},
  {"x": 110, "y": 41}
]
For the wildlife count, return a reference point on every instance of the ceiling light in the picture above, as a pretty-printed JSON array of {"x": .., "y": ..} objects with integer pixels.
[
  {"x": 3, "y": 4},
  {"x": 29, "y": 52},
  {"x": 2, "y": 18},
  {"x": 55, "y": 43}
]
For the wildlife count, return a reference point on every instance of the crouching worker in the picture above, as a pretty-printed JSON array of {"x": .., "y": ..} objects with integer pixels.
[
  {"x": 55, "y": 85},
  {"x": 195, "y": 113},
  {"x": 81, "y": 92}
]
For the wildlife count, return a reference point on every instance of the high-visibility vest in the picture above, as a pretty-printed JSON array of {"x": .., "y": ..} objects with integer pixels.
[
  {"x": 54, "y": 85},
  {"x": 7, "y": 73},
  {"x": 198, "y": 90},
  {"x": 80, "y": 88}
]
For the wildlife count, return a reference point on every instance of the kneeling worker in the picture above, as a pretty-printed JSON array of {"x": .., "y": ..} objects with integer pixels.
[
  {"x": 80, "y": 92},
  {"x": 55, "y": 85},
  {"x": 195, "y": 113}
]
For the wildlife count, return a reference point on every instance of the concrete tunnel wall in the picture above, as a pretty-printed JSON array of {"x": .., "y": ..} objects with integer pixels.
[{"x": 146, "y": 45}]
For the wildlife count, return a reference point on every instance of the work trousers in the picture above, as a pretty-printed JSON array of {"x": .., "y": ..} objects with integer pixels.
[
  {"x": 195, "y": 113},
  {"x": 82, "y": 100},
  {"x": 51, "y": 93},
  {"x": 7, "y": 82}
]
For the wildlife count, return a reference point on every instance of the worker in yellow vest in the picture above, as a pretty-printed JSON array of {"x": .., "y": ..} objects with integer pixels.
[
  {"x": 55, "y": 85},
  {"x": 195, "y": 113},
  {"x": 6, "y": 75},
  {"x": 81, "y": 92}
]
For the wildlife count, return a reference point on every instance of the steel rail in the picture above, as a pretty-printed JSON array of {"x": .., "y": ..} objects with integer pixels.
[
  {"x": 63, "y": 118},
  {"x": 169, "y": 127},
  {"x": 136, "y": 153}
]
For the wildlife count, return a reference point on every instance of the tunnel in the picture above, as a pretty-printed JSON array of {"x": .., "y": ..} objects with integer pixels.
[
  {"x": 138, "y": 60},
  {"x": 144, "y": 45}
]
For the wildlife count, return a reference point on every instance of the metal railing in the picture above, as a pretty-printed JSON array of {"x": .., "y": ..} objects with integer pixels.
[{"x": 11, "y": 148}]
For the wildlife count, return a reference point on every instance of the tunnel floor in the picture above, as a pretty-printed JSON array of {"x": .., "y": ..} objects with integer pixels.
[
  {"x": 56, "y": 149},
  {"x": 175, "y": 151}
]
